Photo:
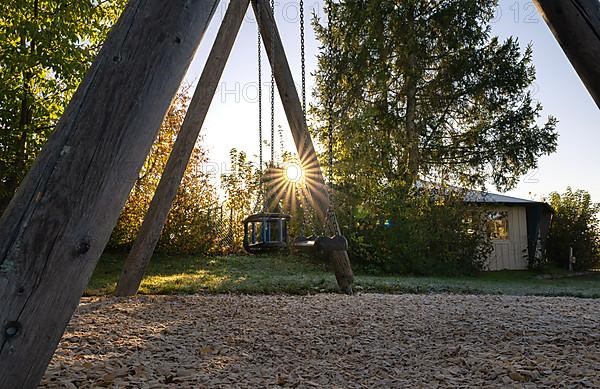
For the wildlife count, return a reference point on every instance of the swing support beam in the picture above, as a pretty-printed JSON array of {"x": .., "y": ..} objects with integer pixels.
[
  {"x": 59, "y": 221},
  {"x": 576, "y": 26},
  {"x": 139, "y": 257},
  {"x": 319, "y": 193}
]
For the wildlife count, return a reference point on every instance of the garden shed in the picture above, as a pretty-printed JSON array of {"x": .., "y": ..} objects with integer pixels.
[{"x": 517, "y": 227}]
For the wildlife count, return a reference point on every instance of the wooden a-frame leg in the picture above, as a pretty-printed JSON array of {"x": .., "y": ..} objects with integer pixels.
[
  {"x": 576, "y": 26},
  {"x": 59, "y": 221},
  {"x": 293, "y": 109},
  {"x": 156, "y": 217}
]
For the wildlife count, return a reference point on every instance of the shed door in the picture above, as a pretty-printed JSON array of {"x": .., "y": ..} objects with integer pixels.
[{"x": 507, "y": 227}]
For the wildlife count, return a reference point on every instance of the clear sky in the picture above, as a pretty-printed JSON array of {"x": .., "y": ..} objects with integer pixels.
[{"x": 233, "y": 117}]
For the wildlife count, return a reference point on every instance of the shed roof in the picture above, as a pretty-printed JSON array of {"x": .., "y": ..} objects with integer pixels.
[
  {"x": 478, "y": 197},
  {"x": 473, "y": 196}
]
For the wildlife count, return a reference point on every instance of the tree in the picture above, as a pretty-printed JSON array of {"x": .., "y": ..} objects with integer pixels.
[
  {"x": 575, "y": 224},
  {"x": 420, "y": 88},
  {"x": 45, "y": 48},
  {"x": 241, "y": 187}
]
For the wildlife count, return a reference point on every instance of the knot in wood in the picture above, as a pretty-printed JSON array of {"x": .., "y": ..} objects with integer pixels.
[
  {"x": 12, "y": 329},
  {"x": 83, "y": 246}
]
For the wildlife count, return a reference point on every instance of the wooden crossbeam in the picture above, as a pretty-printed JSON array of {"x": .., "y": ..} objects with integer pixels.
[
  {"x": 156, "y": 217},
  {"x": 576, "y": 26},
  {"x": 59, "y": 221}
]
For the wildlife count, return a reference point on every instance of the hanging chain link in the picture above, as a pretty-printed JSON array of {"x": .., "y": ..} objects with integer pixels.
[
  {"x": 260, "y": 135},
  {"x": 301, "y": 206},
  {"x": 307, "y": 210},
  {"x": 260, "y": 148},
  {"x": 331, "y": 223},
  {"x": 281, "y": 143},
  {"x": 303, "y": 57},
  {"x": 330, "y": 92},
  {"x": 273, "y": 84}
]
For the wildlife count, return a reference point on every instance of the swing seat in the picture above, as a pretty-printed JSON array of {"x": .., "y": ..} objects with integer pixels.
[
  {"x": 266, "y": 233},
  {"x": 333, "y": 243},
  {"x": 321, "y": 243},
  {"x": 303, "y": 242}
]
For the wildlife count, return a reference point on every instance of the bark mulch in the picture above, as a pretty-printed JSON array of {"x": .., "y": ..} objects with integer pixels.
[{"x": 370, "y": 340}]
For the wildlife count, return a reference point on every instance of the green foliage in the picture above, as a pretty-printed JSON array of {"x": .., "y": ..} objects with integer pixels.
[
  {"x": 575, "y": 224},
  {"x": 191, "y": 220},
  {"x": 241, "y": 186},
  {"x": 421, "y": 232},
  {"x": 420, "y": 88},
  {"x": 198, "y": 223},
  {"x": 45, "y": 49}
]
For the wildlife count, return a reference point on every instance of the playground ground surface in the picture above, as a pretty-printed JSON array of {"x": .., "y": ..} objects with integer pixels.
[{"x": 329, "y": 340}]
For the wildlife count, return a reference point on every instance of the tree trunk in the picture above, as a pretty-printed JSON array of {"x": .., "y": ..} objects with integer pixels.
[
  {"x": 20, "y": 156},
  {"x": 414, "y": 154},
  {"x": 149, "y": 234},
  {"x": 319, "y": 193},
  {"x": 16, "y": 173},
  {"x": 57, "y": 225},
  {"x": 576, "y": 26}
]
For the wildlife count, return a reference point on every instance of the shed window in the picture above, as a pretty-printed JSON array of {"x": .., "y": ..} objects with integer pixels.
[{"x": 497, "y": 225}]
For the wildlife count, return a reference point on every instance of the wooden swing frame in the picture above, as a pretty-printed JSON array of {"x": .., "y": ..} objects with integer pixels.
[
  {"x": 143, "y": 247},
  {"x": 59, "y": 221}
]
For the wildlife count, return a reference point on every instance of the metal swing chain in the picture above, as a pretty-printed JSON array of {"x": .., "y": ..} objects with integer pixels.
[
  {"x": 301, "y": 205},
  {"x": 329, "y": 95},
  {"x": 330, "y": 217},
  {"x": 273, "y": 87},
  {"x": 303, "y": 57},
  {"x": 281, "y": 143},
  {"x": 260, "y": 135},
  {"x": 306, "y": 209},
  {"x": 260, "y": 148},
  {"x": 306, "y": 214}
]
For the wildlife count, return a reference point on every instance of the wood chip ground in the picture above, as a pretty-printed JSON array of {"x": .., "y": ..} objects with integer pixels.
[{"x": 329, "y": 341}]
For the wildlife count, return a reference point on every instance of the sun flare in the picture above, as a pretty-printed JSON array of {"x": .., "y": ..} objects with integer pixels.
[{"x": 294, "y": 173}]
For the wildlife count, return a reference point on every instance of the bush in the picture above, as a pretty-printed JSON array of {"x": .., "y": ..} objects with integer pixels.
[
  {"x": 575, "y": 224},
  {"x": 423, "y": 232}
]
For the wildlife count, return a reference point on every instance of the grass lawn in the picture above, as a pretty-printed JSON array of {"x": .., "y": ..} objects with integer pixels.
[{"x": 294, "y": 275}]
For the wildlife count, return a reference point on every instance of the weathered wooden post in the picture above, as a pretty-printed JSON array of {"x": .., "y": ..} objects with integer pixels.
[
  {"x": 576, "y": 26},
  {"x": 308, "y": 157},
  {"x": 156, "y": 217},
  {"x": 59, "y": 221}
]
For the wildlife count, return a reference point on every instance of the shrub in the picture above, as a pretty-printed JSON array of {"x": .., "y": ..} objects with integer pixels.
[
  {"x": 421, "y": 232},
  {"x": 575, "y": 224}
]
